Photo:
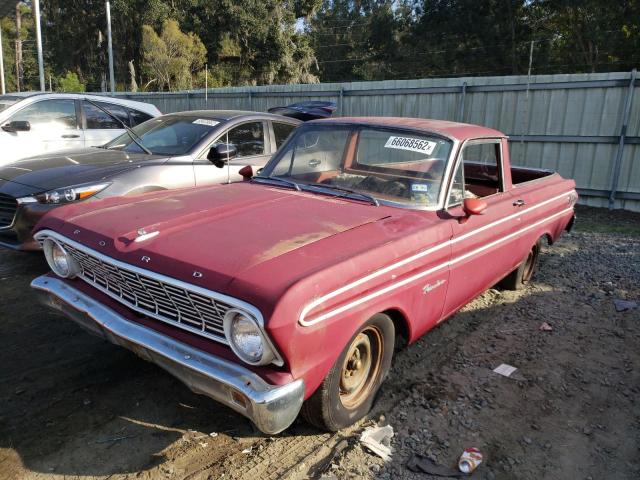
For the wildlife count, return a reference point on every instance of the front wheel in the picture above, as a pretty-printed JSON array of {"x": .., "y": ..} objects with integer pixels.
[
  {"x": 517, "y": 279},
  {"x": 347, "y": 393}
]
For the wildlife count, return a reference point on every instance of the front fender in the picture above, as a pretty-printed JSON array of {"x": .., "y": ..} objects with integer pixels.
[{"x": 311, "y": 351}]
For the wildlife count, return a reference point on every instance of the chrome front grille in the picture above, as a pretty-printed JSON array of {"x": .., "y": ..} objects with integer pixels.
[
  {"x": 162, "y": 300},
  {"x": 8, "y": 209}
]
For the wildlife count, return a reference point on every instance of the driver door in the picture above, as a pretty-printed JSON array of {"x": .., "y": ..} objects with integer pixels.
[
  {"x": 481, "y": 250},
  {"x": 53, "y": 124},
  {"x": 252, "y": 144}
]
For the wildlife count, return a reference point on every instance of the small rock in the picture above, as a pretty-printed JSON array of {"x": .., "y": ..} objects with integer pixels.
[
  {"x": 623, "y": 305},
  {"x": 527, "y": 440}
]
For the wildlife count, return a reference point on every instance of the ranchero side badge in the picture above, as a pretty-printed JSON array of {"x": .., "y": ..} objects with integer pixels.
[
  {"x": 197, "y": 275},
  {"x": 145, "y": 259},
  {"x": 427, "y": 288}
]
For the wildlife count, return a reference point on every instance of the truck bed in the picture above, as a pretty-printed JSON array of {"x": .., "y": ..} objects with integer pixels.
[{"x": 522, "y": 174}]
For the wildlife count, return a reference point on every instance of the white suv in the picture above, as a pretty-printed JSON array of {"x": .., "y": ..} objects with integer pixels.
[{"x": 37, "y": 123}]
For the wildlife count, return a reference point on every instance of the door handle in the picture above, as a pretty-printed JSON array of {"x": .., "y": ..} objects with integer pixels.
[
  {"x": 519, "y": 203},
  {"x": 314, "y": 163},
  {"x": 71, "y": 136}
]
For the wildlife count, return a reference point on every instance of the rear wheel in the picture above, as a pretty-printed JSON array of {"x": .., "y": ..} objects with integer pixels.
[
  {"x": 347, "y": 393},
  {"x": 517, "y": 279}
]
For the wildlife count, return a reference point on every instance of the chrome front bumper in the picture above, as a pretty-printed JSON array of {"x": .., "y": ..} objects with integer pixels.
[{"x": 271, "y": 408}]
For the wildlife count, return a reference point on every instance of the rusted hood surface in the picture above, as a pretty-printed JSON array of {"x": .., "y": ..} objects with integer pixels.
[{"x": 208, "y": 236}]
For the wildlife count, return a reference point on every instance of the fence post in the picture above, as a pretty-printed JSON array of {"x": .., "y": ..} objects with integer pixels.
[
  {"x": 188, "y": 100},
  {"x": 341, "y": 102},
  {"x": 617, "y": 164},
  {"x": 250, "y": 93},
  {"x": 463, "y": 93}
]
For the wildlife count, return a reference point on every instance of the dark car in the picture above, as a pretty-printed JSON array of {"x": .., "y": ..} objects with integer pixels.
[{"x": 171, "y": 151}]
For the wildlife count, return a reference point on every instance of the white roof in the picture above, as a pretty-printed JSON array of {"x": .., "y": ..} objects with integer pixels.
[{"x": 33, "y": 96}]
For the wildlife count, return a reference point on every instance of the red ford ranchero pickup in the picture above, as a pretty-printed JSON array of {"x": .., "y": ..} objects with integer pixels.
[{"x": 287, "y": 293}]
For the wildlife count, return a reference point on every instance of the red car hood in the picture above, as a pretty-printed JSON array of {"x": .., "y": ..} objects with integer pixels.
[{"x": 209, "y": 236}]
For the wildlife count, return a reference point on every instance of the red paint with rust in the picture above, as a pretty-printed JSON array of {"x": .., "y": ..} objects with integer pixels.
[{"x": 317, "y": 267}]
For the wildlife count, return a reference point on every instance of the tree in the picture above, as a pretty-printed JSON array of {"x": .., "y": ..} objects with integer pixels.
[
  {"x": 70, "y": 83},
  {"x": 262, "y": 34},
  {"x": 249, "y": 42},
  {"x": 589, "y": 35},
  {"x": 30, "y": 80},
  {"x": 173, "y": 57}
]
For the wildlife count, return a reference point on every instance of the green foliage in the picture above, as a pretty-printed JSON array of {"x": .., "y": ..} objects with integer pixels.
[
  {"x": 173, "y": 57},
  {"x": 30, "y": 79},
  {"x": 384, "y": 39},
  {"x": 253, "y": 41},
  {"x": 70, "y": 83},
  {"x": 249, "y": 42}
]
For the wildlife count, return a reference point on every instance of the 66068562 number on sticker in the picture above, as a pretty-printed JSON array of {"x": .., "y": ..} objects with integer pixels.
[{"x": 412, "y": 144}]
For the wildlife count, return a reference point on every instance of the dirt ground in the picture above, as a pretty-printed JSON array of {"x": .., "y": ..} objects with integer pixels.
[{"x": 73, "y": 406}]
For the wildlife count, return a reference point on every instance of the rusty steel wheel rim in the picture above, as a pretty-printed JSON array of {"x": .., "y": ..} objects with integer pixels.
[
  {"x": 361, "y": 367},
  {"x": 529, "y": 265}
]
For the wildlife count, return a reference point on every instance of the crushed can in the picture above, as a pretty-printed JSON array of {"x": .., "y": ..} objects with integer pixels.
[{"x": 470, "y": 459}]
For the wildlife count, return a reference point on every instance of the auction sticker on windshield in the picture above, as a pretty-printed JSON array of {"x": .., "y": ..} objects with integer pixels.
[
  {"x": 412, "y": 144},
  {"x": 206, "y": 121}
]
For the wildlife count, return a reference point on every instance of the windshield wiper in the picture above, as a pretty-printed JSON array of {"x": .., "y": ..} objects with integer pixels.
[
  {"x": 277, "y": 179},
  {"x": 131, "y": 133},
  {"x": 348, "y": 191}
]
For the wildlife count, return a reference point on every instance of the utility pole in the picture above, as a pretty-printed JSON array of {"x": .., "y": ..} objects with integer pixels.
[
  {"x": 18, "y": 47},
  {"x": 110, "y": 47},
  {"x": 36, "y": 6},
  {"x": 2, "y": 88}
]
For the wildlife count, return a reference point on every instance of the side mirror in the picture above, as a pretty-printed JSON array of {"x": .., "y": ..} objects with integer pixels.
[
  {"x": 474, "y": 206},
  {"x": 222, "y": 152},
  {"x": 17, "y": 126},
  {"x": 246, "y": 172}
]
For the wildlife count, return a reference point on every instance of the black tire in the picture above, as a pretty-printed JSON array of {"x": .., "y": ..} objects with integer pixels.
[
  {"x": 517, "y": 279},
  {"x": 334, "y": 405}
]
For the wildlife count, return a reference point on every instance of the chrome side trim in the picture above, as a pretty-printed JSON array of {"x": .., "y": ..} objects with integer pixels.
[
  {"x": 271, "y": 408},
  {"x": 234, "y": 302},
  {"x": 306, "y": 323}
]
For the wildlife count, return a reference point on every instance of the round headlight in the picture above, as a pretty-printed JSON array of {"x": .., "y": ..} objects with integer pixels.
[
  {"x": 246, "y": 338},
  {"x": 62, "y": 264}
]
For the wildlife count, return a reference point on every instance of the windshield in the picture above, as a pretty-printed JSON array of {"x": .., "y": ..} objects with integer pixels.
[
  {"x": 168, "y": 135},
  {"x": 6, "y": 102},
  {"x": 390, "y": 165}
]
